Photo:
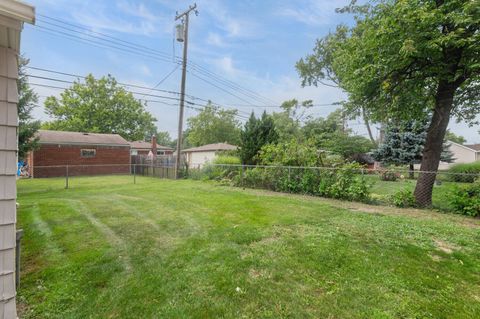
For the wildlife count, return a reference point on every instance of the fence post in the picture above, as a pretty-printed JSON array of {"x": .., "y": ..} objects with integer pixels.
[
  {"x": 134, "y": 174},
  {"x": 66, "y": 177},
  {"x": 289, "y": 180},
  {"x": 19, "y": 236}
]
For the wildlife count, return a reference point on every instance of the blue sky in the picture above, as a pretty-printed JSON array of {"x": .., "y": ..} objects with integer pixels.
[{"x": 255, "y": 44}]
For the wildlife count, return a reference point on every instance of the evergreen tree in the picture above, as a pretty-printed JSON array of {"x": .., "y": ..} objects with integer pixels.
[
  {"x": 404, "y": 144},
  {"x": 256, "y": 134},
  {"x": 27, "y": 99}
]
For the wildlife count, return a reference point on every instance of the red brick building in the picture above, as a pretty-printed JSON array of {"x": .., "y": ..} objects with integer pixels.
[
  {"x": 143, "y": 148},
  {"x": 84, "y": 153}
]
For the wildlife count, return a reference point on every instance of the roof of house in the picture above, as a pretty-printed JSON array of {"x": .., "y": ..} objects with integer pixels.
[
  {"x": 471, "y": 147},
  {"x": 212, "y": 147},
  {"x": 475, "y": 147},
  {"x": 79, "y": 138},
  {"x": 147, "y": 145}
]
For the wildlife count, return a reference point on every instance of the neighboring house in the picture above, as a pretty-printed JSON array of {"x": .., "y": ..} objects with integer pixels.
[
  {"x": 84, "y": 153},
  {"x": 465, "y": 153},
  {"x": 196, "y": 157},
  {"x": 12, "y": 16},
  {"x": 144, "y": 148}
]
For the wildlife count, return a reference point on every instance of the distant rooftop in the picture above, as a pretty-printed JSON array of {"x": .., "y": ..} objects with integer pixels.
[
  {"x": 147, "y": 145},
  {"x": 475, "y": 147},
  {"x": 79, "y": 138},
  {"x": 212, "y": 148}
]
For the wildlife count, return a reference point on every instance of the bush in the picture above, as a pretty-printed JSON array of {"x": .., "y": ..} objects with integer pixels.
[
  {"x": 226, "y": 160},
  {"x": 466, "y": 200},
  {"x": 466, "y": 172},
  {"x": 388, "y": 175},
  {"x": 343, "y": 183},
  {"x": 347, "y": 184},
  {"x": 403, "y": 198}
]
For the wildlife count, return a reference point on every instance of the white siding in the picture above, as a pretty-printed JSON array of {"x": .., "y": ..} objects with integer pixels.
[
  {"x": 198, "y": 159},
  {"x": 8, "y": 158},
  {"x": 462, "y": 154}
]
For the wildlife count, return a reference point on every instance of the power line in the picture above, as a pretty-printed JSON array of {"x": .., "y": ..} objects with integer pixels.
[
  {"x": 191, "y": 105},
  {"x": 139, "y": 87},
  {"x": 149, "y": 52}
]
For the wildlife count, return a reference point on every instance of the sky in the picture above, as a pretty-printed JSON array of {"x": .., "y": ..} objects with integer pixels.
[{"x": 242, "y": 53}]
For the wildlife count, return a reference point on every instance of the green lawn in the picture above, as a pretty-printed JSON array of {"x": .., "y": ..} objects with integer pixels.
[
  {"x": 107, "y": 248},
  {"x": 382, "y": 190}
]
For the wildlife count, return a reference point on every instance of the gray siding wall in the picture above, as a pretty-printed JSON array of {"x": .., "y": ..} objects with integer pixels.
[{"x": 8, "y": 159}]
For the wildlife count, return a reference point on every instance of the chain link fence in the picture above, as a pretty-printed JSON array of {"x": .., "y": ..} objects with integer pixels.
[{"x": 385, "y": 186}]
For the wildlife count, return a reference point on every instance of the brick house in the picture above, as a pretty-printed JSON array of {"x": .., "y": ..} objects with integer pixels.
[
  {"x": 84, "y": 153},
  {"x": 143, "y": 148}
]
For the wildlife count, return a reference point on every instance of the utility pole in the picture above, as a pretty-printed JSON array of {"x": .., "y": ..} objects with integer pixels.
[{"x": 182, "y": 38}]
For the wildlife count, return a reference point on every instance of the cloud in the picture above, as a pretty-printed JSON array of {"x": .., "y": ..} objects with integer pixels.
[
  {"x": 136, "y": 9},
  {"x": 145, "y": 70},
  {"x": 215, "y": 39},
  {"x": 233, "y": 26},
  {"x": 311, "y": 12}
]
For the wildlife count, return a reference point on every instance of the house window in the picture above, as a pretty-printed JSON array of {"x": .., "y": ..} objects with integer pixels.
[
  {"x": 88, "y": 153},
  {"x": 160, "y": 152}
]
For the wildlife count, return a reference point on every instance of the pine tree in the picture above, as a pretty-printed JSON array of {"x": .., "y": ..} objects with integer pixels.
[
  {"x": 404, "y": 145},
  {"x": 256, "y": 134}
]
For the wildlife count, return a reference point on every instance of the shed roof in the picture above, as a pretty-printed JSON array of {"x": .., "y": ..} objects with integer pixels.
[
  {"x": 212, "y": 147},
  {"x": 79, "y": 138},
  {"x": 475, "y": 147},
  {"x": 147, "y": 145}
]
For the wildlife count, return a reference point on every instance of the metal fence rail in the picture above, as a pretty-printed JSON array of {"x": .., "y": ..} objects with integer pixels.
[{"x": 383, "y": 183}]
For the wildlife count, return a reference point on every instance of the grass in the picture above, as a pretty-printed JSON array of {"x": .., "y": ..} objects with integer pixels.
[
  {"x": 382, "y": 190},
  {"x": 186, "y": 249}
]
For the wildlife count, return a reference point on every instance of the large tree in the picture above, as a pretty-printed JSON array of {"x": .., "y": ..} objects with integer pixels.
[
  {"x": 289, "y": 121},
  {"x": 27, "y": 101},
  {"x": 213, "y": 125},
  {"x": 330, "y": 134},
  {"x": 451, "y": 136},
  {"x": 405, "y": 59},
  {"x": 100, "y": 106},
  {"x": 164, "y": 138},
  {"x": 256, "y": 134}
]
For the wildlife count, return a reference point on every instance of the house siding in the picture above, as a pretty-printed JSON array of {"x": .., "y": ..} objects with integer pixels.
[
  {"x": 198, "y": 159},
  {"x": 107, "y": 160},
  {"x": 463, "y": 154},
  {"x": 8, "y": 194}
]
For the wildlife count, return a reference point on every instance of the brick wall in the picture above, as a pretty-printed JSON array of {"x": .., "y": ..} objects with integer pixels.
[{"x": 107, "y": 160}]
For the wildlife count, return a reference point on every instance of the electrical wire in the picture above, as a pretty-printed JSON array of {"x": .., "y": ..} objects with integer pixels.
[{"x": 133, "y": 48}]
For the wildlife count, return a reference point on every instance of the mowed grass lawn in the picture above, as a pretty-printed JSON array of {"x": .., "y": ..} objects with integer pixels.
[{"x": 107, "y": 248}]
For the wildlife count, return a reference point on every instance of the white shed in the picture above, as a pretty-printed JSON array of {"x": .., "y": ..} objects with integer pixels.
[
  {"x": 465, "y": 153},
  {"x": 196, "y": 157}
]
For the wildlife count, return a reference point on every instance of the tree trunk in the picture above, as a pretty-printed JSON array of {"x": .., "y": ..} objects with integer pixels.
[
  {"x": 367, "y": 124},
  {"x": 411, "y": 171},
  {"x": 434, "y": 143}
]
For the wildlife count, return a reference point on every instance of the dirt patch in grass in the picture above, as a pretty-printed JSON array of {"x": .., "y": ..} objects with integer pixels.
[{"x": 445, "y": 247}]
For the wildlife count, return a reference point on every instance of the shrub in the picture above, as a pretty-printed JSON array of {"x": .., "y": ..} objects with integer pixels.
[
  {"x": 466, "y": 200},
  {"x": 347, "y": 184},
  {"x": 388, "y": 175},
  {"x": 226, "y": 160},
  {"x": 403, "y": 198},
  {"x": 464, "y": 172}
]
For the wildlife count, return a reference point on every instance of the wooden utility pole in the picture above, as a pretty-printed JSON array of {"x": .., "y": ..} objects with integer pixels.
[{"x": 184, "y": 17}]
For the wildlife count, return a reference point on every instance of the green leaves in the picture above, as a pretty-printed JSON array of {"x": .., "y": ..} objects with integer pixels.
[
  {"x": 213, "y": 125},
  {"x": 27, "y": 100},
  {"x": 100, "y": 106}
]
